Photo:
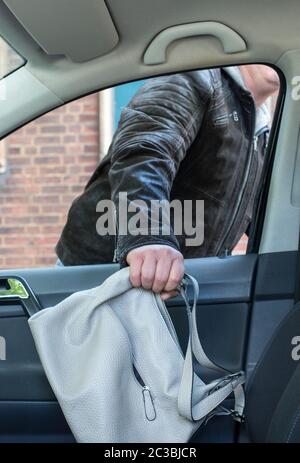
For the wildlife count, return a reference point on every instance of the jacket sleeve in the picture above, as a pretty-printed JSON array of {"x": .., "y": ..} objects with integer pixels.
[{"x": 153, "y": 135}]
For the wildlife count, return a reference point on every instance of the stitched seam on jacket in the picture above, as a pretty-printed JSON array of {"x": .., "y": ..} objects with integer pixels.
[
  {"x": 181, "y": 139},
  {"x": 196, "y": 189}
]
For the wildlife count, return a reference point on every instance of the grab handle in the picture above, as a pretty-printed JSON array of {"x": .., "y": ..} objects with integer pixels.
[{"x": 231, "y": 41}]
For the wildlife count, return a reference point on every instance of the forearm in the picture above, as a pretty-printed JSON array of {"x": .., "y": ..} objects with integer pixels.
[
  {"x": 154, "y": 133},
  {"x": 139, "y": 186}
]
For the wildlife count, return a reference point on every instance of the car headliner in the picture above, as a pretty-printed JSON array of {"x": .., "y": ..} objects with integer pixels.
[{"x": 269, "y": 29}]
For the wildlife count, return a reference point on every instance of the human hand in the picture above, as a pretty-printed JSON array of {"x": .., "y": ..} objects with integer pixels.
[{"x": 156, "y": 267}]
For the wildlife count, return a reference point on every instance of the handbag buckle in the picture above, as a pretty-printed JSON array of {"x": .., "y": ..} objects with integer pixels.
[{"x": 237, "y": 416}]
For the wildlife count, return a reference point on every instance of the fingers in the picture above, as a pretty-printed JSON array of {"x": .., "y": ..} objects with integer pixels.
[
  {"x": 163, "y": 268},
  {"x": 158, "y": 268},
  {"x": 148, "y": 270},
  {"x": 135, "y": 265},
  {"x": 164, "y": 295},
  {"x": 175, "y": 276}
]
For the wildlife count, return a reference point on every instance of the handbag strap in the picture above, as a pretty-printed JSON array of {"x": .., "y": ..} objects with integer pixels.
[{"x": 215, "y": 392}]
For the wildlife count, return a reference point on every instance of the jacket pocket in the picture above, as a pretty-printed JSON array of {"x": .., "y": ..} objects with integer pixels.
[{"x": 221, "y": 120}]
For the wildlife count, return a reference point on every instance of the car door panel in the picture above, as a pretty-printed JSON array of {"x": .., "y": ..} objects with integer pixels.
[
  {"x": 273, "y": 298},
  {"x": 241, "y": 301},
  {"x": 25, "y": 394},
  {"x": 31, "y": 421}
]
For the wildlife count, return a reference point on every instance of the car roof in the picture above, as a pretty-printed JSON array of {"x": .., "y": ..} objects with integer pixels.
[{"x": 97, "y": 44}]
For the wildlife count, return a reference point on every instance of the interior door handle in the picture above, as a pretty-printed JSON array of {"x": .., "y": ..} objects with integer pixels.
[
  {"x": 231, "y": 41},
  {"x": 15, "y": 289}
]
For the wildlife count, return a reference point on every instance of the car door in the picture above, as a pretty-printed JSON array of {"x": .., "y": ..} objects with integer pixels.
[
  {"x": 242, "y": 298},
  {"x": 27, "y": 404}
]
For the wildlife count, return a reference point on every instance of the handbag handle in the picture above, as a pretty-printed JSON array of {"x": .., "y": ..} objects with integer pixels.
[{"x": 215, "y": 392}]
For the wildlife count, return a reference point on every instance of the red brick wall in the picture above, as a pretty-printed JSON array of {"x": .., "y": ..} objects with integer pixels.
[{"x": 48, "y": 162}]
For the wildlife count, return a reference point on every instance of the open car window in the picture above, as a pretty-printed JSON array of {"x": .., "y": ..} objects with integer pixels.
[{"x": 46, "y": 165}]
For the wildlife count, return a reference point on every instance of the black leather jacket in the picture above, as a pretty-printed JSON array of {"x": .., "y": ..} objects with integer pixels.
[{"x": 184, "y": 136}]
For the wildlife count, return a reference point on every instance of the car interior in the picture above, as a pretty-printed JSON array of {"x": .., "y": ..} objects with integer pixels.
[{"x": 247, "y": 309}]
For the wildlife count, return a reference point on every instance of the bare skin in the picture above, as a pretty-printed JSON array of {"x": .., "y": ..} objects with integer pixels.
[
  {"x": 156, "y": 267},
  {"x": 161, "y": 268},
  {"x": 262, "y": 81}
]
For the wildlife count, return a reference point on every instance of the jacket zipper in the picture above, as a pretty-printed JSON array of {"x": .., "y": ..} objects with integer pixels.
[
  {"x": 239, "y": 201},
  {"x": 115, "y": 257},
  {"x": 252, "y": 149}
]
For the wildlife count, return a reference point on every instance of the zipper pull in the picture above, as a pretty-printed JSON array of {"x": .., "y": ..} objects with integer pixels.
[
  {"x": 148, "y": 404},
  {"x": 255, "y": 142},
  {"x": 115, "y": 259},
  {"x": 235, "y": 116}
]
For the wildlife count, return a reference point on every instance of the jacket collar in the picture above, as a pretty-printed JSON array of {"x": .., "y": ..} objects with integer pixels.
[{"x": 263, "y": 115}]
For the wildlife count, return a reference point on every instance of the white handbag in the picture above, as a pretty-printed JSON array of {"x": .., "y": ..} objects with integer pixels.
[{"x": 113, "y": 360}]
